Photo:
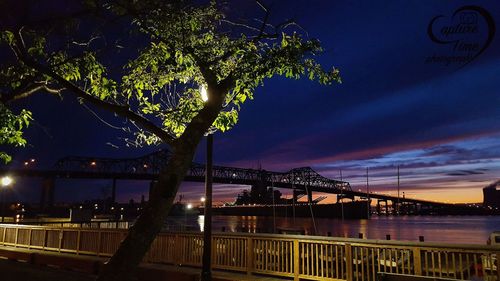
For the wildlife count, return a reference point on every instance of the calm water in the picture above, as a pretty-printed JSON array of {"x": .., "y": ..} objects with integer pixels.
[{"x": 451, "y": 229}]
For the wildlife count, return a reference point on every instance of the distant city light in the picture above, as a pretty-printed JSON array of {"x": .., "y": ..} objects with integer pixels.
[
  {"x": 26, "y": 163},
  {"x": 145, "y": 166},
  {"x": 6, "y": 181},
  {"x": 92, "y": 163},
  {"x": 189, "y": 206},
  {"x": 202, "y": 199},
  {"x": 32, "y": 160}
]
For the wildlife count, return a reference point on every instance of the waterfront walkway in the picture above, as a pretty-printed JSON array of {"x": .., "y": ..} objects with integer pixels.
[
  {"x": 296, "y": 257},
  {"x": 37, "y": 265}
]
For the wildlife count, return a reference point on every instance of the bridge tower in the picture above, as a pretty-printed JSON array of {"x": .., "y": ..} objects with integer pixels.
[{"x": 47, "y": 194}]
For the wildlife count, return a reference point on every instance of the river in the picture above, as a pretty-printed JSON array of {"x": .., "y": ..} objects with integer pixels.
[{"x": 448, "y": 229}]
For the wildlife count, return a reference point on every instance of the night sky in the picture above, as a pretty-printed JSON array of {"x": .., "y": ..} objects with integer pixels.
[{"x": 399, "y": 104}]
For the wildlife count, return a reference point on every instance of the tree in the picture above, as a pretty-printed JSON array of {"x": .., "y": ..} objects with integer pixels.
[{"x": 170, "y": 53}]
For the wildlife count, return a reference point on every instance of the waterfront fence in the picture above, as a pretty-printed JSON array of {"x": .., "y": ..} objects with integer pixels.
[
  {"x": 293, "y": 256},
  {"x": 82, "y": 224}
]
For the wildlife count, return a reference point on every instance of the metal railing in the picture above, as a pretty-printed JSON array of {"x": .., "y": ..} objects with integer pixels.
[
  {"x": 81, "y": 224},
  {"x": 293, "y": 256}
]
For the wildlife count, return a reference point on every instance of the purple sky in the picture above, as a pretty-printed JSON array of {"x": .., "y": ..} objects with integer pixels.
[{"x": 439, "y": 122}]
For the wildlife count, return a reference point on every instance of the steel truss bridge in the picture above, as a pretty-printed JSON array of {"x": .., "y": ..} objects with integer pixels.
[{"x": 303, "y": 180}]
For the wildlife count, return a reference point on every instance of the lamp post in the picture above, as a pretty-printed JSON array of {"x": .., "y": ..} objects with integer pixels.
[
  {"x": 206, "y": 271},
  {"x": 186, "y": 209},
  {"x": 397, "y": 205},
  {"x": 6, "y": 181}
]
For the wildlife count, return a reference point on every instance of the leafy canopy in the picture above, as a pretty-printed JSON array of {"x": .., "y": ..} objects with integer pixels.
[
  {"x": 152, "y": 72},
  {"x": 11, "y": 129}
]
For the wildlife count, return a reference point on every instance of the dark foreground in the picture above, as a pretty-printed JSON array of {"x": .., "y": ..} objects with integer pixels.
[
  {"x": 26, "y": 265},
  {"x": 21, "y": 271}
]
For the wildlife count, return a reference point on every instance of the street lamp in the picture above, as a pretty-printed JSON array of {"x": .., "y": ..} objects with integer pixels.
[
  {"x": 206, "y": 271},
  {"x": 6, "y": 181}
]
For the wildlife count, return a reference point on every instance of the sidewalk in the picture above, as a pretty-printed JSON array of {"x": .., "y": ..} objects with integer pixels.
[{"x": 23, "y": 264}]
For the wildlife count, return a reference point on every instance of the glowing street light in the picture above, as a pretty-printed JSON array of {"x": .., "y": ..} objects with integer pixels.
[
  {"x": 6, "y": 181},
  {"x": 202, "y": 199},
  {"x": 203, "y": 93},
  {"x": 189, "y": 206}
]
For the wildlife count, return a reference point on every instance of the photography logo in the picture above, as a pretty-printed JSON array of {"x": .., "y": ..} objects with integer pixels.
[{"x": 461, "y": 37}]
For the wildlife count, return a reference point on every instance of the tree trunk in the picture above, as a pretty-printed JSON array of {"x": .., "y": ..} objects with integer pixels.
[
  {"x": 123, "y": 264},
  {"x": 133, "y": 248}
]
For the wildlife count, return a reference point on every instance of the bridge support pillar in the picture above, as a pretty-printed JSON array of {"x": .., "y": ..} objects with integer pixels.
[
  {"x": 47, "y": 195},
  {"x": 309, "y": 196},
  {"x": 295, "y": 195},
  {"x": 151, "y": 186},
  {"x": 113, "y": 192}
]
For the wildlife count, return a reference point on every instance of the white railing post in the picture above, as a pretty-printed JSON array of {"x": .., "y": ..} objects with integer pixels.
[
  {"x": 348, "y": 261},
  {"x": 17, "y": 236},
  {"x": 417, "y": 261},
  {"x": 296, "y": 260},
  {"x": 250, "y": 255}
]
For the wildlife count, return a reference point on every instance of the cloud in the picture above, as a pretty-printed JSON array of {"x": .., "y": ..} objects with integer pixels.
[{"x": 465, "y": 173}]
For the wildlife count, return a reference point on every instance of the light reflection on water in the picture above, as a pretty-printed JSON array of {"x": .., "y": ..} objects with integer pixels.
[{"x": 450, "y": 229}]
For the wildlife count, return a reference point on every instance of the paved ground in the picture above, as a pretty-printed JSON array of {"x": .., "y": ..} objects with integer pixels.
[
  {"x": 11, "y": 270},
  {"x": 20, "y": 271}
]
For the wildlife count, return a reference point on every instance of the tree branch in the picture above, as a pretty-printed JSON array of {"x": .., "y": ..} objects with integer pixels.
[
  {"x": 121, "y": 110},
  {"x": 28, "y": 91}
]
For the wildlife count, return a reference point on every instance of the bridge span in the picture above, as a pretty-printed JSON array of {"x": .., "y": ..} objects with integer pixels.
[{"x": 302, "y": 180}]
